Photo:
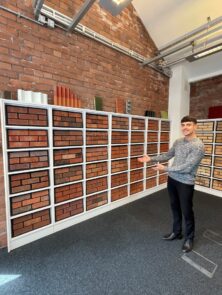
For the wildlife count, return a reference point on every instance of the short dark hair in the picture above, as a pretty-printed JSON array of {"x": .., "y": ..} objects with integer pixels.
[{"x": 188, "y": 119}]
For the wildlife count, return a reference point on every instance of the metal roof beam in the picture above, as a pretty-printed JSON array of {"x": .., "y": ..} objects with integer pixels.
[
  {"x": 38, "y": 7},
  {"x": 83, "y": 10}
]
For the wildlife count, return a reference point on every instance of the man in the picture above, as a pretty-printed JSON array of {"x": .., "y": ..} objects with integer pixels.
[{"x": 187, "y": 152}]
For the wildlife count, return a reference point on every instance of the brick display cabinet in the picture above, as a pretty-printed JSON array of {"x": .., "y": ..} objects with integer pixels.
[
  {"x": 209, "y": 174},
  {"x": 64, "y": 165}
]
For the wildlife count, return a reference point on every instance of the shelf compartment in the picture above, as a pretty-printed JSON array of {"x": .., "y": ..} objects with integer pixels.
[
  {"x": 120, "y": 123},
  {"x": 27, "y": 138},
  {"x": 96, "y": 185},
  {"x": 26, "y": 116},
  {"x": 68, "y": 192},
  {"x": 28, "y": 160},
  {"x": 68, "y": 174},
  {"x": 138, "y": 124},
  {"x": 119, "y": 179},
  {"x": 28, "y": 181},
  {"x": 96, "y": 121},
  {"x": 119, "y": 165},
  {"x": 69, "y": 209},
  {"x": 97, "y": 200},
  {"x": 30, "y": 222},
  {"x": 67, "y": 119},
  {"x": 119, "y": 151},
  {"x": 151, "y": 182},
  {"x": 119, "y": 193},
  {"x": 96, "y": 169},
  {"x": 29, "y": 202},
  {"x": 136, "y": 187},
  {"x": 62, "y": 138},
  {"x": 96, "y": 154}
]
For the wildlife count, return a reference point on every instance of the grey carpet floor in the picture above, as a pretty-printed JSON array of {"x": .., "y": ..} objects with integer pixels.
[{"x": 120, "y": 252}]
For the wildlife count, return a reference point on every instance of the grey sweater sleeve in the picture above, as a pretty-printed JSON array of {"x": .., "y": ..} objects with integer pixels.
[{"x": 192, "y": 160}]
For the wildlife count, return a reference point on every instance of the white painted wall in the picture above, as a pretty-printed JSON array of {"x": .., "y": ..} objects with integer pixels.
[{"x": 179, "y": 99}]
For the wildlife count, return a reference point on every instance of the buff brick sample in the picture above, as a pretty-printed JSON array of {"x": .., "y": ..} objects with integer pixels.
[
  {"x": 68, "y": 192},
  {"x": 138, "y": 124},
  {"x": 96, "y": 201},
  {"x": 96, "y": 154},
  {"x": 120, "y": 123},
  {"x": 69, "y": 209},
  {"x": 26, "y": 116},
  {"x": 30, "y": 222},
  {"x": 136, "y": 187},
  {"x": 68, "y": 174},
  {"x": 207, "y": 160},
  {"x": 26, "y": 160},
  {"x": 119, "y": 193},
  {"x": 96, "y": 169},
  {"x": 96, "y": 137},
  {"x": 218, "y": 162},
  {"x": 218, "y": 150},
  {"x": 28, "y": 202},
  {"x": 206, "y": 137},
  {"x": 217, "y": 173},
  {"x": 218, "y": 138},
  {"x": 26, "y": 138},
  {"x": 62, "y": 138},
  {"x": 67, "y": 119},
  {"x": 204, "y": 171},
  {"x": 219, "y": 126},
  {"x": 217, "y": 184},
  {"x": 96, "y": 185},
  {"x": 209, "y": 149},
  {"x": 205, "y": 126},
  {"x": 203, "y": 181},
  {"x": 96, "y": 121},
  {"x": 67, "y": 156},
  {"x": 28, "y": 181}
]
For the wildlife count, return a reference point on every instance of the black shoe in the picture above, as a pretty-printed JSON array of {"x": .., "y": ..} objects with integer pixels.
[
  {"x": 172, "y": 236},
  {"x": 187, "y": 245}
]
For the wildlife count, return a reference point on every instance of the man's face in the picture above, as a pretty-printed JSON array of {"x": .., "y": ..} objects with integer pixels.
[{"x": 188, "y": 128}]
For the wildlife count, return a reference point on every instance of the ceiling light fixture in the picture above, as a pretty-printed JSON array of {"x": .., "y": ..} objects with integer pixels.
[
  {"x": 114, "y": 6},
  {"x": 205, "y": 52}
]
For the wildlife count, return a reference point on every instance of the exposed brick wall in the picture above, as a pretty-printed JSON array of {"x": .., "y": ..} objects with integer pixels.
[
  {"x": 204, "y": 94},
  {"x": 37, "y": 58}
]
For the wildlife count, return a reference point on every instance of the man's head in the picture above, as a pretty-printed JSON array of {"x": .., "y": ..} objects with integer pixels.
[{"x": 189, "y": 126}]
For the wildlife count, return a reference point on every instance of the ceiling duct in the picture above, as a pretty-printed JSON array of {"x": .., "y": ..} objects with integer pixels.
[{"x": 196, "y": 42}]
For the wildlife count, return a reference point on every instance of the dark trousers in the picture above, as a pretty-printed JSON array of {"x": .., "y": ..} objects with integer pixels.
[{"x": 181, "y": 201}]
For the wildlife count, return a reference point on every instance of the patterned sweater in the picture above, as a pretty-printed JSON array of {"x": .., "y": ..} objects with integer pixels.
[{"x": 187, "y": 156}]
